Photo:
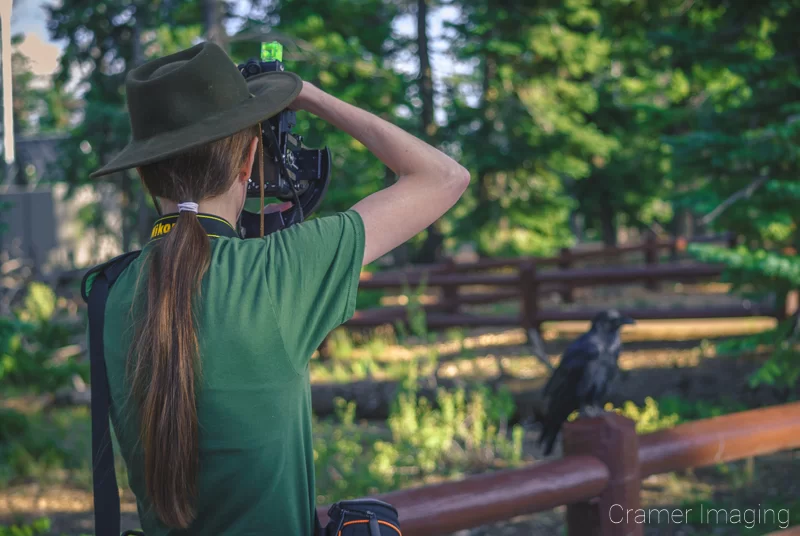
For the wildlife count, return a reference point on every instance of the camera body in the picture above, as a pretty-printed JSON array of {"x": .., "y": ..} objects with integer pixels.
[{"x": 292, "y": 171}]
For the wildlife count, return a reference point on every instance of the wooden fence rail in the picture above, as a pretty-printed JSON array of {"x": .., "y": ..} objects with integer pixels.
[
  {"x": 599, "y": 476},
  {"x": 526, "y": 283},
  {"x": 527, "y": 287},
  {"x": 650, "y": 248}
]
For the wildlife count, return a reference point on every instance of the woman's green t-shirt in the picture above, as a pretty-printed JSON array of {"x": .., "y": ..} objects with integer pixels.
[{"x": 266, "y": 305}]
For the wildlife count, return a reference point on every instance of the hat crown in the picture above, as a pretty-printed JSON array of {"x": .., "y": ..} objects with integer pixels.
[{"x": 182, "y": 89}]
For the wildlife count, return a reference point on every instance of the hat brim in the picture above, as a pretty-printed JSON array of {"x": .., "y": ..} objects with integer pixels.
[{"x": 270, "y": 94}]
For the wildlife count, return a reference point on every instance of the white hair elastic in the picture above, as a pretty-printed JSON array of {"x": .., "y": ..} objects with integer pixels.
[{"x": 188, "y": 206}]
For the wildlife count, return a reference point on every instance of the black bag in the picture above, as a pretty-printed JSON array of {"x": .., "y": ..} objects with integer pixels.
[{"x": 362, "y": 517}]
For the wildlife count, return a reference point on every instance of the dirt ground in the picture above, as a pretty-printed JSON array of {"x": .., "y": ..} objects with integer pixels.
[{"x": 661, "y": 358}]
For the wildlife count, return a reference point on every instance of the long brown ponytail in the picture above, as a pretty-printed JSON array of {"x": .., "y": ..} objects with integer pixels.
[{"x": 164, "y": 365}]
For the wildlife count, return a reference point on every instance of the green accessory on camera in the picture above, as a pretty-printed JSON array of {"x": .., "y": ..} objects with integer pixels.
[{"x": 271, "y": 51}]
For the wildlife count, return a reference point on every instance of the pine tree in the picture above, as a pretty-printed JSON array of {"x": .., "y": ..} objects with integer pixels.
[
  {"x": 530, "y": 131},
  {"x": 739, "y": 162}
]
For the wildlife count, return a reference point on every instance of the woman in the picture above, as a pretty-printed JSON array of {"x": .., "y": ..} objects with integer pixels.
[{"x": 208, "y": 336}]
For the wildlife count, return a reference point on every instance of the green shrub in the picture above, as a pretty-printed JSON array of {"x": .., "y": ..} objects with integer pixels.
[
  {"x": 38, "y": 445},
  {"x": 466, "y": 433},
  {"x": 648, "y": 418},
  {"x": 758, "y": 273},
  {"x": 36, "y": 528},
  {"x": 29, "y": 340}
]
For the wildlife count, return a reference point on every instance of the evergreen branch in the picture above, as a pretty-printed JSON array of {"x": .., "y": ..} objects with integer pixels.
[{"x": 744, "y": 193}]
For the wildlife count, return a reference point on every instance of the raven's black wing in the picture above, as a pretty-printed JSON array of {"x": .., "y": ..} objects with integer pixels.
[
  {"x": 562, "y": 392},
  {"x": 577, "y": 355}
]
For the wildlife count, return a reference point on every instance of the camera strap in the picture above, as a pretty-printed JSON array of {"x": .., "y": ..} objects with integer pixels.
[{"x": 104, "y": 478}]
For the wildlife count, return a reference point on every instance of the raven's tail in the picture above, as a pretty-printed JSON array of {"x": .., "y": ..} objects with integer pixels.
[{"x": 548, "y": 436}]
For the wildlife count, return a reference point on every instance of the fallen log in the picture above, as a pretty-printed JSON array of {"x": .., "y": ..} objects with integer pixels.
[{"x": 374, "y": 399}]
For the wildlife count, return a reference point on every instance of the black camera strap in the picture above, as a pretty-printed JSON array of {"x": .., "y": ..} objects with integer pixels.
[{"x": 104, "y": 478}]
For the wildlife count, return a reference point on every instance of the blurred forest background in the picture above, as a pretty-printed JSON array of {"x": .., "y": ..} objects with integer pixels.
[{"x": 581, "y": 121}]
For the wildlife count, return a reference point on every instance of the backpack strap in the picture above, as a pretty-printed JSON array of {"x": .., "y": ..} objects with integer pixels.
[{"x": 94, "y": 288}]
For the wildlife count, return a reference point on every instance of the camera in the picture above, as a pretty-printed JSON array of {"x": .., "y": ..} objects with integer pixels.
[{"x": 292, "y": 171}]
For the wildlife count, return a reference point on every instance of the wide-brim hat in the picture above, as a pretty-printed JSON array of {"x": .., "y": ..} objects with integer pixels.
[{"x": 193, "y": 97}]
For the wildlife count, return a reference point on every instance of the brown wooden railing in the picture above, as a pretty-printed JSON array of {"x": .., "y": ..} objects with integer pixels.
[
  {"x": 600, "y": 473},
  {"x": 525, "y": 282}
]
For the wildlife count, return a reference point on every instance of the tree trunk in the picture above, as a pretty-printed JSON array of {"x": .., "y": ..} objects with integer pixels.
[
  {"x": 126, "y": 191},
  {"x": 576, "y": 225},
  {"x": 482, "y": 211},
  {"x": 425, "y": 72},
  {"x": 143, "y": 214},
  {"x": 430, "y": 251},
  {"x": 608, "y": 225},
  {"x": 212, "y": 22}
]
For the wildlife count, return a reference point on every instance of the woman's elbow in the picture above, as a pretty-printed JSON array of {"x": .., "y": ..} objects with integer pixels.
[{"x": 460, "y": 178}]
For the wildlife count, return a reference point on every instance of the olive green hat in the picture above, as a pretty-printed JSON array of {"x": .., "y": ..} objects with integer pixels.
[{"x": 194, "y": 97}]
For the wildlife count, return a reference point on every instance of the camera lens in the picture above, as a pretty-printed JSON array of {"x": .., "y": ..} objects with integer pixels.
[{"x": 253, "y": 68}]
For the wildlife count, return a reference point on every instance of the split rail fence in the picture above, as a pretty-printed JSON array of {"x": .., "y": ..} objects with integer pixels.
[
  {"x": 523, "y": 280},
  {"x": 600, "y": 476}
]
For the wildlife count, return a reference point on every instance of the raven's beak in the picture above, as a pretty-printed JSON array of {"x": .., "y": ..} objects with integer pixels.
[{"x": 626, "y": 320}]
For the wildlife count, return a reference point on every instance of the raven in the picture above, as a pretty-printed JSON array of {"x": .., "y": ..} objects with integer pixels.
[{"x": 582, "y": 378}]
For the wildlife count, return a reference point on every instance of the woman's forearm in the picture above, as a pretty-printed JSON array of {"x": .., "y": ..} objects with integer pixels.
[
  {"x": 429, "y": 182},
  {"x": 400, "y": 151}
]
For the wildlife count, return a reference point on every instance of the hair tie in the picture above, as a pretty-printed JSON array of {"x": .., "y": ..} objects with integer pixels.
[{"x": 188, "y": 206}]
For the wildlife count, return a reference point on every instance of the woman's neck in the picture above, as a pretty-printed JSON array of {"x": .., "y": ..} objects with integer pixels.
[{"x": 223, "y": 207}]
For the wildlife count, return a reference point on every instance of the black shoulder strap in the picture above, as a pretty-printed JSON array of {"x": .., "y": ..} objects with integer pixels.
[{"x": 104, "y": 479}]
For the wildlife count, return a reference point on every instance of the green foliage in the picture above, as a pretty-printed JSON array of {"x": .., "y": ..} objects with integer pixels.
[
  {"x": 34, "y": 344},
  {"x": 761, "y": 273},
  {"x": 739, "y": 131},
  {"x": 651, "y": 417},
  {"x": 697, "y": 409},
  {"x": 39, "y": 527},
  {"x": 670, "y": 411},
  {"x": 38, "y": 445},
  {"x": 463, "y": 434}
]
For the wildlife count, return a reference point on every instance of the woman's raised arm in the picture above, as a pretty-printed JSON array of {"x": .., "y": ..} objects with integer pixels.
[{"x": 429, "y": 184}]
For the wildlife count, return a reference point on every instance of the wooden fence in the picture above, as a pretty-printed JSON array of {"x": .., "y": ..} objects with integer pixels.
[
  {"x": 524, "y": 281},
  {"x": 599, "y": 478}
]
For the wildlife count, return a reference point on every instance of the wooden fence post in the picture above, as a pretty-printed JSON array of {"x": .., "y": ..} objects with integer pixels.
[
  {"x": 651, "y": 257},
  {"x": 612, "y": 439},
  {"x": 565, "y": 263},
  {"x": 450, "y": 292},
  {"x": 529, "y": 288}
]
